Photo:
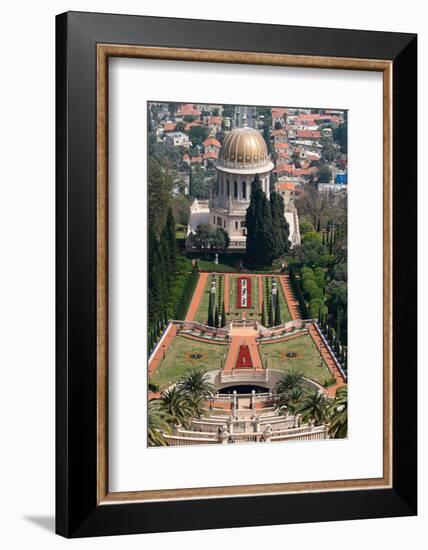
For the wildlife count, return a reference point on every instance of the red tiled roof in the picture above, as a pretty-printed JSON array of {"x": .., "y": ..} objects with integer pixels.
[
  {"x": 211, "y": 141},
  {"x": 279, "y": 132},
  {"x": 192, "y": 124},
  {"x": 278, "y": 112},
  {"x": 169, "y": 126},
  {"x": 286, "y": 186},
  {"x": 308, "y": 134},
  {"x": 211, "y": 155},
  {"x": 197, "y": 159},
  {"x": 284, "y": 167},
  {"x": 282, "y": 146},
  {"x": 188, "y": 109},
  {"x": 186, "y": 157}
]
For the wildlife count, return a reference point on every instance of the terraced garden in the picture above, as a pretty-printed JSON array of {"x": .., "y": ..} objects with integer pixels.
[
  {"x": 298, "y": 353},
  {"x": 185, "y": 354},
  {"x": 202, "y": 312}
]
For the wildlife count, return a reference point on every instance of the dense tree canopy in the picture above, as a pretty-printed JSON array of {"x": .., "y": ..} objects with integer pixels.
[
  {"x": 261, "y": 245},
  {"x": 340, "y": 135},
  {"x": 208, "y": 238},
  {"x": 281, "y": 229},
  {"x": 197, "y": 135},
  {"x": 160, "y": 185},
  {"x": 197, "y": 187}
]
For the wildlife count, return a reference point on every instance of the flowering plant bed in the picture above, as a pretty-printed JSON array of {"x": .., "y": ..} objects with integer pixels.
[
  {"x": 243, "y": 292},
  {"x": 244, "y": 358}
]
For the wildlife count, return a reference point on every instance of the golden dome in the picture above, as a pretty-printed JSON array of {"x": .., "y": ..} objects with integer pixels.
[{"x": 244, "y": 147}]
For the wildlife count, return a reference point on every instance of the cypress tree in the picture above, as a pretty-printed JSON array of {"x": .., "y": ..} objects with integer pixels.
[
  {"x": 278, "y": 320},
  {"x": 260, "y": 242},
  {"x": 271, "y": 314},
  {"x": 319, "y": 226},
  {"x": 216, "y": 318},
  {"x": 280, "y": 227},
  {"x": 210, "y": 321},
  {"x": 168, "y": 236},
  {"x": 263, "y": 319},
  {"x": 223, "y": 316}
]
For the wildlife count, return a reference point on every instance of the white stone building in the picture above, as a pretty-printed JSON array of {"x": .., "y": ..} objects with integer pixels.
[{"x": 243, "y": 154}]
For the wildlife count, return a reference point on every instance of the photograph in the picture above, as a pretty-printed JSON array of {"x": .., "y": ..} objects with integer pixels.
[{"x": 247, "y": 325}]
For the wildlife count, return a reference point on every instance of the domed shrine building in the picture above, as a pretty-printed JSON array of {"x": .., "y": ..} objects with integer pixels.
[{"x": 243, "y": 154}]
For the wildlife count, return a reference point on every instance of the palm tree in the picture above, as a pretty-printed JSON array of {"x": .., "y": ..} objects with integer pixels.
[
  {"x": 289, "y": 391},
  {"x": 175, "y": 404},
  {"x": 314, "y": 405},
  {"x": 339, "y": 414},
  {"x": 157, "y": 424},
  {"x": 196, "y": 384},
  {"x": 291, "y": 380}
]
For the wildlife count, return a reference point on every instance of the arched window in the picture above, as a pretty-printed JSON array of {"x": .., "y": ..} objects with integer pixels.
[
  {"x": 228, "y": 187},
  {"x": 244, "y": 189},
  {"x": 235, "y": 189}
]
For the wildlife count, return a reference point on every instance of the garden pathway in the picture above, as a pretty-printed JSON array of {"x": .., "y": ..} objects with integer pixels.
[
  {"x": 241, "y": 336},
  {"x": 331, "y": 390},
  {"x": 157, "y": 357},
  {"x": 261, "y": 293},
  {"x": 226, "y": 286},
  {"x": 293, "y": 304},
  {"x": 197, "y": 297}
]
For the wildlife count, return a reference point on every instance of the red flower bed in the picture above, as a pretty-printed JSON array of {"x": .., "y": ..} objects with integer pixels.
[
  {"x": 244, "y": 358},
  {"x": 240, "y": 300}
]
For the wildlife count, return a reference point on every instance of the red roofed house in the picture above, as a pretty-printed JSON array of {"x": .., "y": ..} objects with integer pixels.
[
  {"x": 279, "y": 136},
  {"x": 187, "y": 110},
  {"x": 289, "y": 190},
  {"x": 283, "y": 156},
  {"x": 210, "y": 157},
  {"x": 278, "y": 115},
  {"x": 169, "y": 126},
  {"x": 281, "y": 147},
  {"x": 284, "y": 168},
  {"x": 214, "y": 124},
  {"x": 186, "y": 159},
  {"x": 308, "y": 134},
  {"x": 190, "y": 125},
  {"x": 196, "y": 160},
  {"x": 211, "y": 145}
]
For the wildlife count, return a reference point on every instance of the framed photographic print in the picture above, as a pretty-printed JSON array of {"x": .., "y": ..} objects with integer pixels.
[{"x": 236, "y": 274}]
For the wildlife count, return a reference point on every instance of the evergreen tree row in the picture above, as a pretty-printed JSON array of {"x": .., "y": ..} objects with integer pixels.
[
  {"x": 273, "y": 318},
  {"x": 267, "y": 228},
  {"x": 295, "y": 285},
  {"x": 170, "y": 285}
]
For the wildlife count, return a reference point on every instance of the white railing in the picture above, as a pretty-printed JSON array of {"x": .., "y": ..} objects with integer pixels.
[
  {"x": 201, "y": 329},
  {"x": 177, "y": 441},
  {"x": 236, "y": 375},
  {"x": 263, "y": 434},
  {"x": 332, "y": 353},
  {"x": 281, "y": 330},
  {"x": 306, "y": 434}
]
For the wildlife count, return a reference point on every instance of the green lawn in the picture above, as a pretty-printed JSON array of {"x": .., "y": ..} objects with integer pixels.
[
  {"x": 226, "y": 263},
  {"x": 307, "y": 359},
  {"x": 178, "y": 360},
  {"x": 202, "y": 313},
  {"x": 285, "y": 312}
]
